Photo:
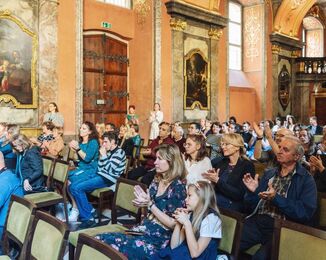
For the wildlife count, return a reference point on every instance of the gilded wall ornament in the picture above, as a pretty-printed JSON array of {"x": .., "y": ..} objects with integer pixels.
[
  {"x": 276, "y": 49},
  {"x": 296, "y": 3},
  {"x": 178, "y": 24},
  {"x": 142, "y": 9},
  {"x": 215, "y": 33}
]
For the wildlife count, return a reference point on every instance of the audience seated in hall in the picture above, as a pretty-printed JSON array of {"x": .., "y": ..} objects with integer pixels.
[
  {"x": 193, "y": 128},
  {"x": 125, "y": 142},
  {"x": 100, "y": 128},
  {"x": 53, "y": 115},
  {"x": 147, "y": 172},
  {"x": 47, "y": 134},
  {"x": 166, "y": 193},
  {"x": 228, "y": 173},
  {"x": 6, "y": 148},
  {"x": 110, "y": 127},
  {"x": 314, "y": 128},
  {"x": 111, "y": 165},
  {"x": 87, "y": 149},
  {"x": 288, "y": 191},
  {"x": 310, "y": 148},
  {"x": 196, "y": 159}
]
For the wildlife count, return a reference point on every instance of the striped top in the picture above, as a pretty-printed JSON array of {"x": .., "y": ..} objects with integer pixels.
[{"x": 112, "y": 165}]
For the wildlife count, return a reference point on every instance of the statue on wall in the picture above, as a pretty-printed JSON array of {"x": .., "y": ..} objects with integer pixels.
[
  {"x": 196, "y": 81},
  {"x": 284, "y": 85}
]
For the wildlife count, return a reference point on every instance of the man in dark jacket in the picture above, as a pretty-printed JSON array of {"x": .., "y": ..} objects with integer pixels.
[{"x": 286, "y": 192}]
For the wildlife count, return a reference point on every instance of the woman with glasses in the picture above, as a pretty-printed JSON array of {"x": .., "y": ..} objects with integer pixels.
[
  {"x": 196, "y": 159},
  {"x": 229, "y": 172}
]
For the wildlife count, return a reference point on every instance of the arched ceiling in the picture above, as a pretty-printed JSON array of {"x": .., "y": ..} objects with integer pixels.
[
  {"x": 311, "y": 23},
  {"x": 290, "y": 15}
]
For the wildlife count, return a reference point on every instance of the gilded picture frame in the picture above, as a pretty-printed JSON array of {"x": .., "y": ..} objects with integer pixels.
[
  {"x": 197, "y": 81},
  {"x": 18, "y": 57}
]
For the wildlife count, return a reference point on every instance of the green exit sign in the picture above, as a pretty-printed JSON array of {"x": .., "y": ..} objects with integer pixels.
[{"x": 106, "y": 25}]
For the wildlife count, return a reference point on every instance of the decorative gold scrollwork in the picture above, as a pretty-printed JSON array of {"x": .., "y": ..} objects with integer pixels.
[{"x": 177, "y": 24}]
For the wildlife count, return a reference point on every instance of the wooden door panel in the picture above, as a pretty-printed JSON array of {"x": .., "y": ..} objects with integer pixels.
[
  {"x": 93, "y": 52},
  {"x": 105, "y": 79}
]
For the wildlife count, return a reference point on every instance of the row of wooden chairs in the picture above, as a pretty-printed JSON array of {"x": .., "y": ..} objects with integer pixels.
[{"x": 37, "y": 235}]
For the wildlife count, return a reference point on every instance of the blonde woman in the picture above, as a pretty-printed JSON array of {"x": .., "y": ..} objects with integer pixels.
[
  {"x": 228, "y": 173},
  {"x": 166, "y": 193}
]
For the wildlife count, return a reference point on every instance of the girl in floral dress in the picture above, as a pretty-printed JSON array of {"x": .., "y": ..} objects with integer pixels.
[{"x": 166, "y": 193}]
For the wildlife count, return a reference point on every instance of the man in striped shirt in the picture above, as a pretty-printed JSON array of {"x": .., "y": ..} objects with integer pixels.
[{"x": 111, "y": 165}]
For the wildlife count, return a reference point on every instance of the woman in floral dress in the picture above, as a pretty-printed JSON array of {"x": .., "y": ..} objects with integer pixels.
[{"x": 166, "y": 193}]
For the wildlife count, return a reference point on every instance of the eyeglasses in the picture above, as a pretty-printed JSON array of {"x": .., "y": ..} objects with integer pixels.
[{"x": 225, "y": 144}]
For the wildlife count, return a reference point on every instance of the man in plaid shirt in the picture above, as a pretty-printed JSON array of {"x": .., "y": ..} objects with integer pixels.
[{"x": 286, "y": 192}]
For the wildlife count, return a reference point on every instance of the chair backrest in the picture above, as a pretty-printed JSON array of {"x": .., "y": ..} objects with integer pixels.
[
  {"x": 232, "y": 223},
  {"x": 60, "y": 172},
  {"x": 91, "y": 248},
  {"x": 295, "y": 241},
  {"x": 128, "y": 162},
  {"x": 48, "y": 238},
  {"x": 48, "y": 166},
  {"x": 18, "y": 222},
  {"x": 64, "y": 154},
  {"x": 321, "y": 211},
  {"x": 123, "y": 196}
]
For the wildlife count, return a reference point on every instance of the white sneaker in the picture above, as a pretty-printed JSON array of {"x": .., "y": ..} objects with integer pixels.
[{"x": 73, "y": 215}]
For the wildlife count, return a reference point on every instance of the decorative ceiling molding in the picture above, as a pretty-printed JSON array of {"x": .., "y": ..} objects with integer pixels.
[{"x": 289, "y": 17}]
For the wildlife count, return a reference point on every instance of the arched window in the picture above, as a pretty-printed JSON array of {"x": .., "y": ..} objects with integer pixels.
[
  {"x": 235, "y": 36},
  {"x": 122, "y": 3},
  {"x": 312, "y": 37}
]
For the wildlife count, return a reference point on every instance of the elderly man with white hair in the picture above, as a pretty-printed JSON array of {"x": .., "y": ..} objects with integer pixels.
[
  {"x": 285, "y": 192},
  {"x": 178, "y": 138}
]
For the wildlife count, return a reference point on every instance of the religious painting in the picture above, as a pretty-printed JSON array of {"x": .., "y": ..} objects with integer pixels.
[
  {"x": 197, "y": 91},
  {"x": 18, "y": 47},
  {"x": 284, "y": 83}
]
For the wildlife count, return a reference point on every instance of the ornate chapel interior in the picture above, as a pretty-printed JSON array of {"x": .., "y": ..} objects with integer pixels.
[{"x": 255, "y": 59}]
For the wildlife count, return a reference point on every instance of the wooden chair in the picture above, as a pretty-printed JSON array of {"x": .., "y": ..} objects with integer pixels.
[
  {"x": 48, "y": 238},
  {"x": 104, "y": 195},
  {"x": 48, "y": 167},
  {"x": 122, "y": 202},
  {"x": 232, "y": 223},
  {"x": 321, "y": 210},
  {"x": 51, "y": 198},
  {"x": 295, "y": 241},
  {"x": 18, "y": 224},
  {"x": 91, "y": 248}
]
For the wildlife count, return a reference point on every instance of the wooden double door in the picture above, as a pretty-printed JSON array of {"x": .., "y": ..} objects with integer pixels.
[{"x": 105, "y": 71}]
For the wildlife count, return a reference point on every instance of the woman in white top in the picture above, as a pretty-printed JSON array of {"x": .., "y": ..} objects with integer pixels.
[
  {"x": 53, "y": 115},
  {"x": 196, "y": 159},
  {"x": 155, "y": 118}
]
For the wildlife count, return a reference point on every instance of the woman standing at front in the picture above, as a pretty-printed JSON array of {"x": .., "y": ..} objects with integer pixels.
[
  {"x": 166, "y": 193},
  {"x": 155, "y": 118},
  {"x": 87, "y": 151},
  {"x": 53, "y": 115},
  {"x": 229, "y": 172}
]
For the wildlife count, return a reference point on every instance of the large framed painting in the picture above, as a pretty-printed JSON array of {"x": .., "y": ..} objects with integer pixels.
[
  {"x": 18, "y": 45},
  {"x": 197, "y": 88}
]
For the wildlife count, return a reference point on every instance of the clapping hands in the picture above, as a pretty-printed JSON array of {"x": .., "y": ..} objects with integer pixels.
[
  {"x": 249, "y": 182},
  {"x": 181, "y": 215},
  {"x": 142, "y": 198},
  {"x": 212, "y": 175}
]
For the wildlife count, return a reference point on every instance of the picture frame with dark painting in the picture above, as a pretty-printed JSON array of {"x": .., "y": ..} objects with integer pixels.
[
  {"x": 18, "y": 48},
  {"x": 197, "y": 87}
]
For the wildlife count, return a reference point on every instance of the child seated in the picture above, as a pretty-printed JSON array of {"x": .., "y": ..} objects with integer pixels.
[{"x": 198, "y": 227}]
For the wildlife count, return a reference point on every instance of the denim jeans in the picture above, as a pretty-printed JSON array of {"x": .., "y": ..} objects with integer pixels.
[
  {"x": 86, "y": 184},
  {"x": 9, "y": 184}
]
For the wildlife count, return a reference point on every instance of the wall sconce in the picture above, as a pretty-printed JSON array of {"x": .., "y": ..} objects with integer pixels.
[{"x": 142, "y": 9}]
